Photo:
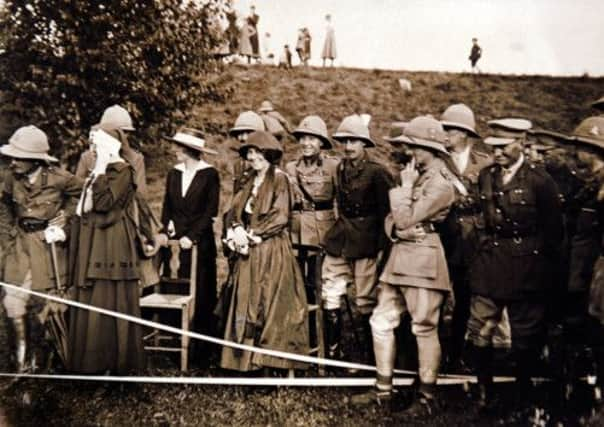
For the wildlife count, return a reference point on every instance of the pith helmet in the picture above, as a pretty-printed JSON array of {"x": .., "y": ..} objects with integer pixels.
[
  {"x": 30, "y": 143},
  {"x": 591, "y": 132},
  {"x": 314, "y": 126},
  {"x": 353, "y": 127},
  {"x": 459, "y": 116},
  {"x": 265, "y": 107},
  {"x": 248, "y": 121},
  {"x": 118, "y": 117},
  {"x": 396, "y": 130},
  {"x": 425, "y": 132},
  {"x": 506, "y": 131}
]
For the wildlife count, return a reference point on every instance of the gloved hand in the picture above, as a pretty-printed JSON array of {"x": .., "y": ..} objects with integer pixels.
[
  {"x": 53, "y": 234},
  {"x": 240, "y": 236},
  {"x": 185, "y": 243}
]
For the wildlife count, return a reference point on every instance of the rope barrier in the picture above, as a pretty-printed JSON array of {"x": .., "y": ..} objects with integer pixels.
[
  {"x": 214, "y": 340},
  {"x": 442, "y": 379},
  {"x": 235, "y": 381}
]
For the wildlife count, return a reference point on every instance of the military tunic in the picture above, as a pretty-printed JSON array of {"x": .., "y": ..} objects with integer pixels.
[
  {"x": 33, "y": 205},
  {"x": 519, "y": 234},
  {"x": 313, "y": 212}
]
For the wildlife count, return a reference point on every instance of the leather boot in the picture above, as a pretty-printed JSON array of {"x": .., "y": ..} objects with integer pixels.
[
  {"x": 381, "y": 394},
  {"x": 20, "y": 343},
  {"x": 483, "y": 363},
  {"x": 425, "y": 403},
  {"x": 368, "y": 355},
  {"x": 333, "y": 333}
]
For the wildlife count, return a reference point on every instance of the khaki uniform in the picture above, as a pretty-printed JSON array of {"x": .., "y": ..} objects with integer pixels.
[
  {"x": 33, "y": 205},
  {"x": 415, "y": 277},
  {"x": 313, "y": 213}
]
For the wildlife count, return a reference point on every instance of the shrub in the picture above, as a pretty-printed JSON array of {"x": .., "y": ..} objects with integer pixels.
[{"x": 65, "y": 61}]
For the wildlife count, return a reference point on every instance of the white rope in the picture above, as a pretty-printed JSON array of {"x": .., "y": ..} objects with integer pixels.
[
  {"x": 288, "y": 382},
  {"x": 195, "y": 335}
]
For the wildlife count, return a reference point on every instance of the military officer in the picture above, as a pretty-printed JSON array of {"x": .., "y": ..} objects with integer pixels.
[
  {"x": 315, "y": 177},
  {"x": 415, "y": 277},
  {"x": 519, "y": 231},
  {"x": 117, "y": 117},
  {"x": 456, "y": 231},
  {"x": 246, "y": 123},
  {"x": 41, "y": 198},
  {"x": 353, "y": 243}
]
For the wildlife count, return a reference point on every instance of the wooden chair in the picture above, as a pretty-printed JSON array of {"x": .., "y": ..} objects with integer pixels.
[
  {"x": 185, "y": 302},
  {"x": 303, "y": 255}
]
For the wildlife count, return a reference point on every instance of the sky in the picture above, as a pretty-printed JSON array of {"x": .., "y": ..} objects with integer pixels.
[{"x": 554, "y": 37}]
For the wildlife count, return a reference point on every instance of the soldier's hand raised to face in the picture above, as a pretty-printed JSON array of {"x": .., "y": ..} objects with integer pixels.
[{"x": 409, "y": 174}]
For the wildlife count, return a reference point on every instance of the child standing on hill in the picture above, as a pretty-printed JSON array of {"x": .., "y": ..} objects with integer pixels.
[{"x": 285, "y": 59}]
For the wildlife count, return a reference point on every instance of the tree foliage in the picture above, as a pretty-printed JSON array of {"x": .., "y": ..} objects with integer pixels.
[{"x": 65, "y": 61}]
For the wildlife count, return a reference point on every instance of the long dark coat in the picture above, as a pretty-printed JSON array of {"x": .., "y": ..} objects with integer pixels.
[
  {"x": 193, "y": 217},
  {"x": 104, "y": 272},
  {"x": 268, "y": 308}
]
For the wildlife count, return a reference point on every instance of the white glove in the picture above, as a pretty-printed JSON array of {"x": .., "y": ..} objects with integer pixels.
[
  {"x": 53, "y": 234},
  {"x": 107, "y": 151},
  {"x": 253, "y": 239},
  {"x": 185, "y": 243},
  {"x": 240, "y": 236}
]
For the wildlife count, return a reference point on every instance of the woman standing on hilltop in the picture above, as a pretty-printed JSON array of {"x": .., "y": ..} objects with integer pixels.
[
  {"x": 245, "y": 44},
  {"x": 329, "y": 47}
]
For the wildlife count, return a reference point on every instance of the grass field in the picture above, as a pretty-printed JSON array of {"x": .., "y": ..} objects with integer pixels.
[{"x": 550, "y": 102}]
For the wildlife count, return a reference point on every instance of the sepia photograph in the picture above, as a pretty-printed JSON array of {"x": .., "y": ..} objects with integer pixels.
[{"x": 301, "y": 213}]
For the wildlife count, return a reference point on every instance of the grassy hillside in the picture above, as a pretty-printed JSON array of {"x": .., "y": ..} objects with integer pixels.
[{"x": 550, "y": 102}]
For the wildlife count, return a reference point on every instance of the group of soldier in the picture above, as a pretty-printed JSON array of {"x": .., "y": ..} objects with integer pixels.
[{"x": 508, "y": 225}]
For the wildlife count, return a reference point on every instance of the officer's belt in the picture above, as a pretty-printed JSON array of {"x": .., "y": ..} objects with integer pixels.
[
  {"x": 514, "y": 233},
  {"x": 306, "y": 205},
  {"x": 354, "y": 213},
  {"x": 32, "y": 225}
]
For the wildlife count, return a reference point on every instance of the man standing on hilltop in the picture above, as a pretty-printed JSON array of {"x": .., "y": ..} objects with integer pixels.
[{"x": 475, "y": 55}]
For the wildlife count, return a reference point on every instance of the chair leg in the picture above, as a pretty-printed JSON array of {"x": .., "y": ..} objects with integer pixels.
[
  {"x": 155, "y": 331},
  {"x": 184, "y": 352}
]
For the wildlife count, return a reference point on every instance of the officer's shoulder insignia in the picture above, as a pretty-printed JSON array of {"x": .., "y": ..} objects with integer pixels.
[
  {"x": 446, "y": 173},
  {"x": 59, "y": 171}
]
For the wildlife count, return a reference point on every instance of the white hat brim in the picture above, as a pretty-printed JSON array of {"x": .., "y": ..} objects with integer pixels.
[
  {"x": 493, "y": 140},
  {"x": 461, "y": 126},
  {"x": 189, "y": 145},
  {"x": 345, "y": 135},
  {"x": 12, "y": 151}
]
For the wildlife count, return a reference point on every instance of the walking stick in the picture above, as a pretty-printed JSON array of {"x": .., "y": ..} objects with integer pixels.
[{"x": 55, "y": 266}]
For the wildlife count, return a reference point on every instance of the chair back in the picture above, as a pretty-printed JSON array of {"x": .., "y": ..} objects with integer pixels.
[{"x": 174, "y": 264}]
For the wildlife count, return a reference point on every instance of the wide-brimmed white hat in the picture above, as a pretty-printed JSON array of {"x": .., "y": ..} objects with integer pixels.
[
  {"x": 459, "y": 116},
  {"x": 29, "y": 143},
  {"x": 118, "y": 117},
  {"x": 191, "y": 138}
]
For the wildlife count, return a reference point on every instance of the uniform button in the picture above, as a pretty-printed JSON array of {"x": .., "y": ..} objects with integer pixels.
[
  {"x": 28, "y": 209},
  {"x": 522, "y": 202},
  {"x": 498, "y": 227},
  {"x": 495, "y": 243},
  {"x": 498, "y": 210},
  {"x": 536, "y": 252}
]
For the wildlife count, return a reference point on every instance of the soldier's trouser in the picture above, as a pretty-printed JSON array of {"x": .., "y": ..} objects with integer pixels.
[
  {"x": 424, "y": 306},
  {"x": 15, "y": 302},
  {"x": 526, "y": 317},
  {"x": 337, "y": 272}
]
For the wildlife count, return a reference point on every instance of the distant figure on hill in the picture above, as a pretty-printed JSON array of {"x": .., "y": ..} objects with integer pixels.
[
  {"x": 267, "y": 109},
  {"x": 245, "y": 45},
  {"x": 329, "y": 47},
  {"x": 232, "y": 30},
  {"x": 253, "y": 20},
  {"x": 475, "y": 55},
  {"x": 268, "y": 56},
  {"x": 285, "y": 59},
  {"x": 303, "y": 45},
  {"x": 307, "y": 40}
]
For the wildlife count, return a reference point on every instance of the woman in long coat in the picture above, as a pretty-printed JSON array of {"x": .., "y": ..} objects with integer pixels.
[
  {"x": 329, "y": 46},
  {"x": 104, "y": 266},
  {"x": 268, "y": 306},
  {"x": 245, "y": 44},
  {"x": 189, "y": 207}
]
